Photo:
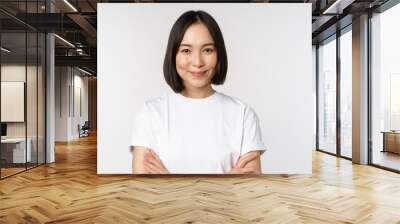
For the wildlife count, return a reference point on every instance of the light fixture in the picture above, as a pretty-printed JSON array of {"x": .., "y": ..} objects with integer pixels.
[
  {"x": 79, "y": 51},
  {"x": 5, "y": 50},
  {"x": 84, "y": 71},
  {"x": 70, "y": 5},
  {"x": 337, "y": 7},
  {"x": 65, "y": 41}
]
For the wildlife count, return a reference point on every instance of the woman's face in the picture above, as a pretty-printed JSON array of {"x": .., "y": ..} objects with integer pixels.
[{"x": 196, "y": 57}]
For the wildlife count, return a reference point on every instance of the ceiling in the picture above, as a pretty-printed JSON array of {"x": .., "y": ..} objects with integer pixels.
[{"x": 76, "y": 22}]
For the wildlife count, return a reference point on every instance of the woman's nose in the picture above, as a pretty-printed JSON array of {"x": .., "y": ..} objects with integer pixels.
[{"x": 197, "y": 60}]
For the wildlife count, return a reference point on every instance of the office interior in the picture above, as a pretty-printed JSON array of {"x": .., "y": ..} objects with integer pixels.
[{"x": 48, "y": 81}]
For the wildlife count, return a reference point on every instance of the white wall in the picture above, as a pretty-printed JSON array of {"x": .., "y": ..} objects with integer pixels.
[
  {"x": 61, "y": 103},
  {"x": 314, "y": 84},
  {"x": 68, "y": 81},
  {"x": 269, "y": 53}
]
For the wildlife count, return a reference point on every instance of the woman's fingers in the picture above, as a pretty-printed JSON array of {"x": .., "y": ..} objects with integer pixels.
[
  {"x": 250, "y": 170},
  {"x": 154, "y": 162},
  {"x": 152, "y": 169},
  {"x": 243, "y": 160},
  {"x": 246, "y": 170},
  {"x": 159, "y": 160},
  {"x": 156, "y": 156},
  {"x": 155, "y": 168}
]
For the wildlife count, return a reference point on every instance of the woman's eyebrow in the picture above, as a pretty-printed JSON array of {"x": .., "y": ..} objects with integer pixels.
[
  {"x": 208, "y": 44},
  {"x": 189, "y": 45}
]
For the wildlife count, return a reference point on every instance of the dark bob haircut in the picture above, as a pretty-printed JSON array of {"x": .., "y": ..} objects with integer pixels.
[{"x": 175, "y": 38}]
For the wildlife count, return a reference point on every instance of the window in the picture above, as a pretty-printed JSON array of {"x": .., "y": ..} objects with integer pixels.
[
  {"x": 346, "y": 94},
  {"x": 385, "y": 89},
  {"x": 327, "y": 96}
]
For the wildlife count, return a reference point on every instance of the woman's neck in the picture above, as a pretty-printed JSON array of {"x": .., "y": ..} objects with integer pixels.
[{"x": 198, "y": 93}]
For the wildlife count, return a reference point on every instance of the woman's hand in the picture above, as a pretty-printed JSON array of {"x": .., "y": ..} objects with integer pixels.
[
  {"x": 146, "y": 161},
  {"x": 248, "y": 164},
  {"x": 153, "y": 164}
]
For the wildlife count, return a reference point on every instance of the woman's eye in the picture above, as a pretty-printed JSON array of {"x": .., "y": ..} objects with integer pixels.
[
  {"x": 185, "y": 51},
  {"x": 209, "y": 50}
]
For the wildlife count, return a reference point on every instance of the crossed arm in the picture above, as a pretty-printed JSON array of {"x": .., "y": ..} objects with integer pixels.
[{"x": 146, "y": 161}]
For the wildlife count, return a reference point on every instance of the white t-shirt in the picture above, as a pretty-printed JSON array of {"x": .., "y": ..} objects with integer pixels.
[{"x": 198, "y": 136}]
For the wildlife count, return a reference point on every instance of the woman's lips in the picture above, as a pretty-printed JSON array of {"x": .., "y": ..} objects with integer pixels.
[{"x": 198, "y": 74}]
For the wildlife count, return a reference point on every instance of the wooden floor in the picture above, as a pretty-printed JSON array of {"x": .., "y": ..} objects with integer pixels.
[
  {"x": 5, "y": 172},
  {"x": 69, "y": 191}
]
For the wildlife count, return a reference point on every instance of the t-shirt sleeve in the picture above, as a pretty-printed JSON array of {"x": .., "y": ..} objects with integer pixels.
[
  {"x": 252, "y": 137},
  {"x": 142, "y": 134}
]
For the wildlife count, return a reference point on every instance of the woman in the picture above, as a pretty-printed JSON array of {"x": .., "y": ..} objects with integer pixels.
[{"x": 196, "y": 129}]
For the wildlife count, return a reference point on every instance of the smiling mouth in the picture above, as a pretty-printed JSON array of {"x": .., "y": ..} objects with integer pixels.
[{"x": 198, "y": 74}]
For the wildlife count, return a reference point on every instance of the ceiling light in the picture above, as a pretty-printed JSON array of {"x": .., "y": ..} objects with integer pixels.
[
  {"x": 331, "y": 7},
  {"x": 64, "y": 40},
  {"x": 86, "y": 72},
  {"x": 337, "y": 7},
  {"x": 5, "y": 50},
  {"x": 70, "y": 5}
]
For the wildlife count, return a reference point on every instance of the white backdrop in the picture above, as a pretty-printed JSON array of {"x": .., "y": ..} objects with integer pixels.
[{"x": 269, "y": 56}]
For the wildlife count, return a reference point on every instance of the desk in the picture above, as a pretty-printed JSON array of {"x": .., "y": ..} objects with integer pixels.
[
  {"x": 391, "y": 141},
  {"x": 15, "y": 148}
]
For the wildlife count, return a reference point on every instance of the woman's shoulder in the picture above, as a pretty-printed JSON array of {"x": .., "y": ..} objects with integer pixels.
[
  {"x": 231, "y": 100},
  {"x": 156, "y": 102},
  {"x": 236, "y": 104}
]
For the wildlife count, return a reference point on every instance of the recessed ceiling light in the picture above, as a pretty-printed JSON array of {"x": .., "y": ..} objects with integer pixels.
[
  {"x": 70, "y": 5},
  {"x": 337, "y": 7},
  {"x": 64, "y": 40},
  {"x": 5, "y": 50},
  {"x": 84, "y": 71}
]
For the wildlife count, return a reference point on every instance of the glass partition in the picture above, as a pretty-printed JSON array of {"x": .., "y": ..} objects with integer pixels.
[
  {"x": 13, "y": 111},
  {"x": 32, "y": 95},
  {"x": 346, "y": 94},
  {"x": 33, "y": 64},
  {"x": 41, "y": 107},
  {"x": 385, "y": 90},
  {"x": 22, "y": 63},
  {"x": 327, "y": 96}
]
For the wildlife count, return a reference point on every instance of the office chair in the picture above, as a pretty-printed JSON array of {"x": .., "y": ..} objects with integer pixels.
[{"x": 84, "y": 130}]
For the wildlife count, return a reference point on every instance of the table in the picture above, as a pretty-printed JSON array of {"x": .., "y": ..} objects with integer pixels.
[
  {"x": 391, "y": 141},
  {"x": 15, "y": 148}
]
